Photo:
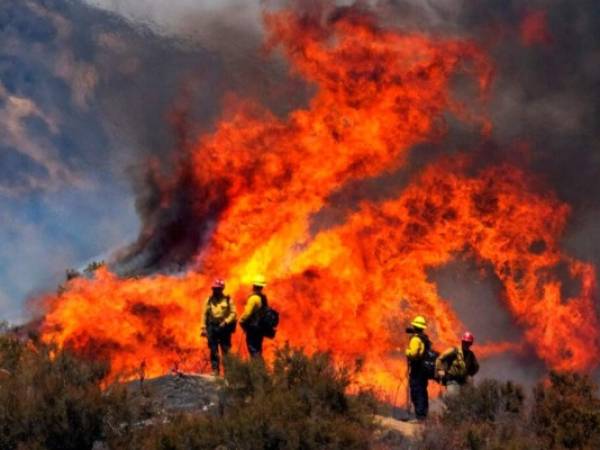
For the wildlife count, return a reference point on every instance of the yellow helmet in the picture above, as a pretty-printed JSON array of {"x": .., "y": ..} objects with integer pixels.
[
  {"x": 259, "y": 280},
  {"x": 419, "y": 322}
]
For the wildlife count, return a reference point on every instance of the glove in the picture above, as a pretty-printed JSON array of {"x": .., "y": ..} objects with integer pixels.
[{"x": 203, "y": 333}]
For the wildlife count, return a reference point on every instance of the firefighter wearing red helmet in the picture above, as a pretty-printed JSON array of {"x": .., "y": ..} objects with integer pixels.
[
  {"x": 218, "y": 323},
  {"x": 456, "y": 365}
]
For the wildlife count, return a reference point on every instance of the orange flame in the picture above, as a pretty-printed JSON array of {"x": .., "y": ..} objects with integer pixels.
[{"x": 351, "y": 288}]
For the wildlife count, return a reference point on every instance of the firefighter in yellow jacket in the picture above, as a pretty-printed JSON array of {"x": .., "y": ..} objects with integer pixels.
[
  {"x": 218, "y": 323},
  {"x": 418, "y": 345},
  {"x": 250, "y": 319},
  {"x": 456, "y": 365}
]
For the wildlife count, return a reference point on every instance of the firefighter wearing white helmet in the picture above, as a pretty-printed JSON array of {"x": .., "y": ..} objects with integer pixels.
[
  {"x": 418, "y": 346},
  {"x": 256, "y": 305}
]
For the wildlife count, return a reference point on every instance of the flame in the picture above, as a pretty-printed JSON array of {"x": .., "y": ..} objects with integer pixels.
[{"x": 349, "y": 289}]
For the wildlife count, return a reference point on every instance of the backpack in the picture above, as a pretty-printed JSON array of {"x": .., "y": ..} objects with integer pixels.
[
  {"x": 268, "y": 319},
  {"x": 268, "y": 322},
  {"x": 429, "y": 358}
]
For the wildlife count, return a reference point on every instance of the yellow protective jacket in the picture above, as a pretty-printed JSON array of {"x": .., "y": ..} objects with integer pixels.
[
  {"x": 457, "y": 364},
  {"x": 253, "y": 304},
  {"x": 218, "y": 310},
  {"x": 416, "y": 348}
]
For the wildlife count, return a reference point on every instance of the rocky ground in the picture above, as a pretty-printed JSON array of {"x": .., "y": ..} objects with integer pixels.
[
  {"x": 160, "y": 399},
  {"x": 178, "y": 393}
]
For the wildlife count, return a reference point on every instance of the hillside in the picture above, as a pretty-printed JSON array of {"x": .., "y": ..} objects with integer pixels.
[
  {"x": 166, "y": 397},
  {"x": 50, "y": 399}
]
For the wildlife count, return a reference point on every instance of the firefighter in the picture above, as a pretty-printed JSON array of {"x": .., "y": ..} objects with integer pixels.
[
  {"x": 457, "y": 365},
  {"x": 250, "y": 319},
  {"x": 418, "y": 345},
  {"x": 218, "y": 323}
]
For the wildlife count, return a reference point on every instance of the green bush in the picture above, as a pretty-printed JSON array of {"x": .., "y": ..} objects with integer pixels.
[
  {"x": 52, "y": 400},
  {"x": 490, "y": 416},
  {"x": 566, "y": 412},
  {"x": 489, "y": 401},
  {"x": 301, "y": 403}
]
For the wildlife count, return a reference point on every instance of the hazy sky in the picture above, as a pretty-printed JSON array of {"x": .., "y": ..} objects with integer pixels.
[{"x": 83, "y": 97}]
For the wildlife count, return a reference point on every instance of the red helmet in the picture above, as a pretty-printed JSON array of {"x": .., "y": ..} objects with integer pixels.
[
  {"x": 218, "y": 284},
  {"x": 468, "y": 337}
]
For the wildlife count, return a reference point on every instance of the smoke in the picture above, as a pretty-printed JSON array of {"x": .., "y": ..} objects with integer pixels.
[
  {"x": 475, "y": 294},
  {"x": 541, "y": 106},
  {"x": 173, "y": 228},
  {"x": 194, "y": 18},
  {"x": 85, "y": 100},
  {"x": 21, "y": 147},
  {"x": 66, "y": 73},
  {"x": 546, "y": 55},
  {"x": 90, "y": 104}
]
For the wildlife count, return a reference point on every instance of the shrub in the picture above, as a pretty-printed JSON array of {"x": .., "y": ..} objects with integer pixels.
[
  {"x": 488, "y": 416},
  {"x": 50, "y": 399},
  {"x": 566, "y": 412},
  {"x": 301, "y": 403},
  {"x": 489, "y": 401}
]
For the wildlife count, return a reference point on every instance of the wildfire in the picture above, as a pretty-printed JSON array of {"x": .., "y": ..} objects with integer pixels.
[{"x": 351, "y": 288}]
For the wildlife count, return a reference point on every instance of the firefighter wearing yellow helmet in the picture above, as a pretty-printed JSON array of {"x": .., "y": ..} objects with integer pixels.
[
  {"x": 418, "y": 347},
  {"x": 256, "y": 305},
  {"x": 419, "y": 322}
]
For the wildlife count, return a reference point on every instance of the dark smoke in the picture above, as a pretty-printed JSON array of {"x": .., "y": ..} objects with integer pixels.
[
  {"x": 545, "y": 94},
  {"x": 127, "y": 102},
  {"x": 543, "y": 99},
  {"x": 108, "y": 85},
  {"x": 477, "y": 301},
  {"x": 178, "y": 218}
]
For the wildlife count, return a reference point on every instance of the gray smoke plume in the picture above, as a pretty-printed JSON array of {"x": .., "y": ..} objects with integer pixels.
[
  {"x": 542, "y": 106},
  {"x": 92, "y": 108}
]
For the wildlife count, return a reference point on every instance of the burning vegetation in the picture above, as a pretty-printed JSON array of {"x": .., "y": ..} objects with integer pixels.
[{"x": 250, "y": 190}]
